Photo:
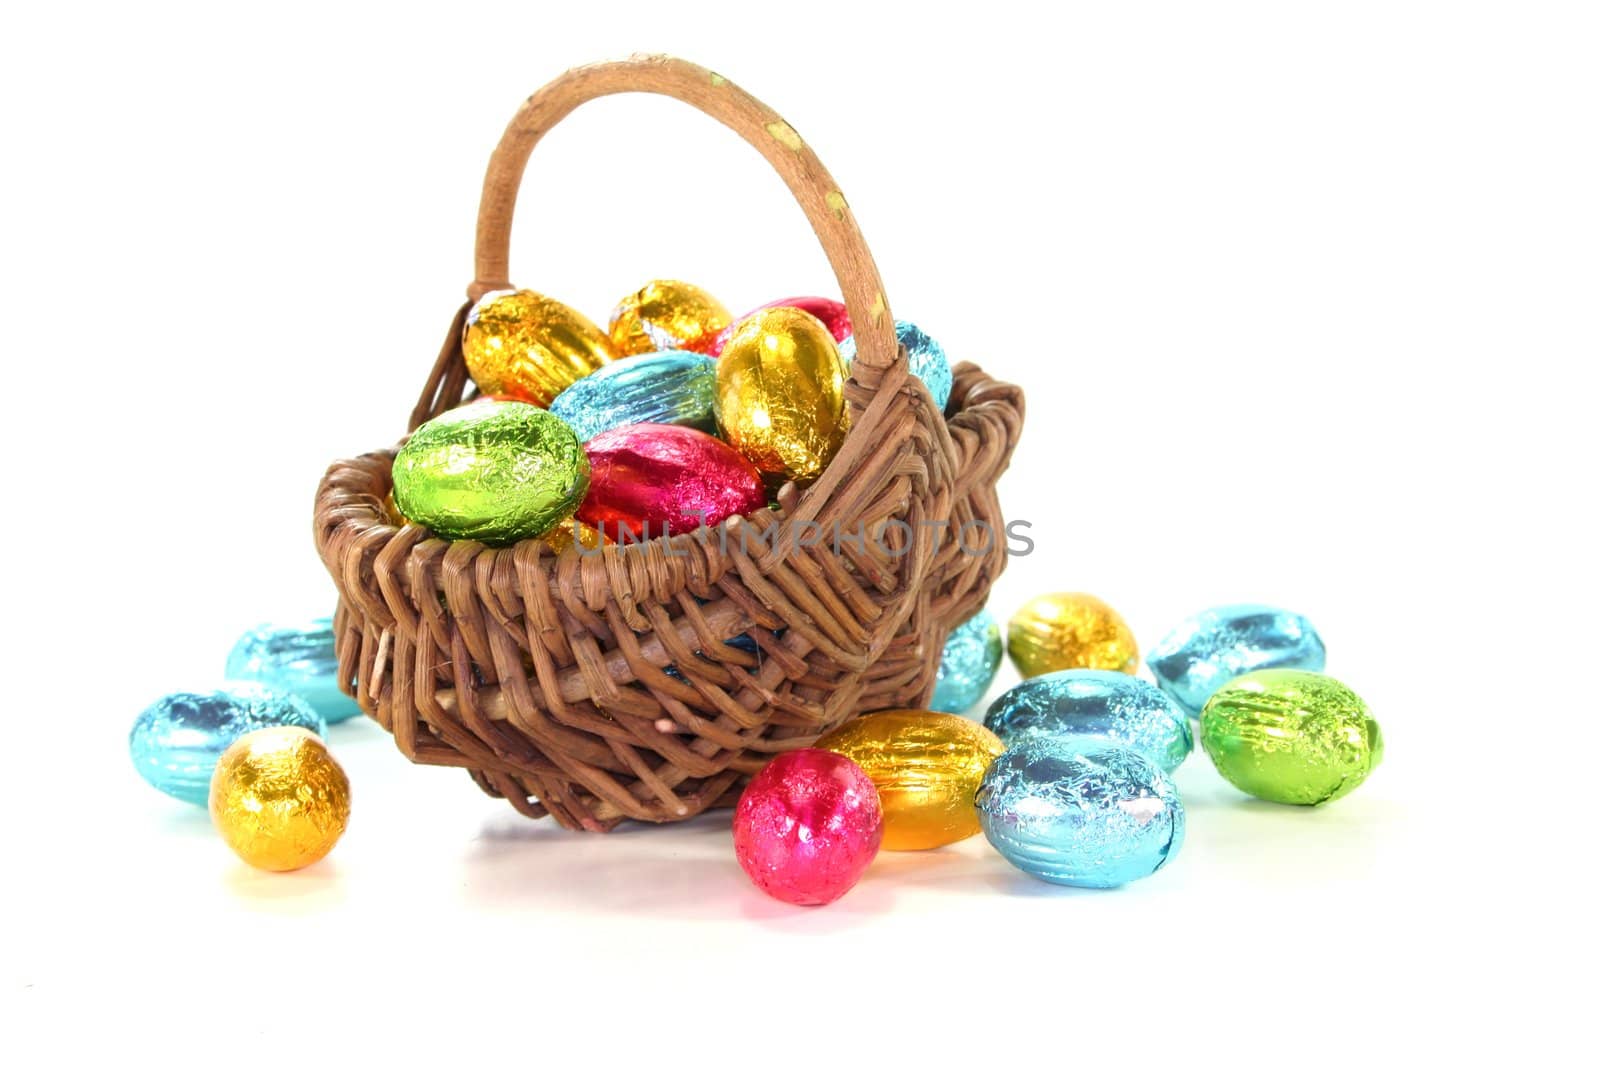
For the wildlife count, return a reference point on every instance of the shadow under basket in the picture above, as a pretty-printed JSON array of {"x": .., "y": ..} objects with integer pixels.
[{"x": 649, "y": 681}]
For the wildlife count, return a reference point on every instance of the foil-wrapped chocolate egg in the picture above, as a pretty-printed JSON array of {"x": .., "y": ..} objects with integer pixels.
[
  {"x": 279, "y": 799},
  {"x": 1104, "y": 706},
  {"x": 780, "y": 394},
  {"x": 926, "y": 766},
  {"x": 967, "y": 665},
  {"x": 571, "y": 532},
  {"x": 1089, "y": 815},
  {"x": 807, "y": 826},
  {"x": 652, "y": 481},
  {"x": 1208, "y": 650},
  {"x": 297, "y": 658},
  {"x": 176, "y": 742},
  {"x": 832, "y": 314},
  {"x": 521, "y": 344},
  {"x": 926, "y": 356},
  {"x": 1069, "y": 631},
  {"x": 672, "y": 388},
  {"x": 664, "y": 316},
  {"x": 1290, "y": 736},
  {"x": 495, "y": 471}
]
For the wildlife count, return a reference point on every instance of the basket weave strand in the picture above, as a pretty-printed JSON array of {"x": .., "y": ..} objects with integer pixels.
[{"x": 597, "y": 686}]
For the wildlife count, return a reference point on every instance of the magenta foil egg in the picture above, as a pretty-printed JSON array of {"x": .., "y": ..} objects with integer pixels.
[
  {"x": 648, "y": 480},
  {"x": 830, "y": 313},
  {"x": 808, "y": 826}
]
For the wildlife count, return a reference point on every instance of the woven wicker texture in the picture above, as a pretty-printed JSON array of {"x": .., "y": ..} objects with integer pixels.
[{"x": 596, "y": 686}]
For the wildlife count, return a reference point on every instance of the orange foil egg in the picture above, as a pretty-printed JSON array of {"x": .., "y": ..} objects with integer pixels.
[
  {"x": 665, "y": 316},
  {"x": 927, "y": 766},
  {"x": 521, "y": 345},
  {"x": 780, "y": 394}
]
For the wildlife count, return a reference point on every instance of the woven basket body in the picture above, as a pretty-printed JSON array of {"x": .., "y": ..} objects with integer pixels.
[{"x": 599, "y": 686}]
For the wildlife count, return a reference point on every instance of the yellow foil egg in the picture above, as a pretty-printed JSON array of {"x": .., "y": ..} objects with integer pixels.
[
  {"x": 927, "y": 765},
  {"x": 1070, "y": 631},
  {"x": 665, "y": 316},
  {"x": 525, "y": 346},
  {"x": 780, "y": 394},
  {"x": 571, "y": 532},
  {"x": 279, "y": 799}
]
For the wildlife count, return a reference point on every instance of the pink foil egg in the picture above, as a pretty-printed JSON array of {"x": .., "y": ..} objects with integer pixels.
[
  {"x": 648, "y": 480},
  {"x": 807, "y": 826},
  {"x": 830, "y": 313}
]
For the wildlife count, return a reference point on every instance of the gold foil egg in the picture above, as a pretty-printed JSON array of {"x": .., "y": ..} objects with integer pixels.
[
  {"x": 571, "y": 532},
  {"x": 1070, "y": 631},
  {"x": 927, "y": 766},
  {"x": 279, "y": 799},
  {"x": 780, "y": 394},
  {"x": 524, "y": 346},
  {"x": 665, "y": 316}
]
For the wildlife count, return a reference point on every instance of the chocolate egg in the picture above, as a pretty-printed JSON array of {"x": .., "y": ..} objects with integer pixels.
[
  {"x": 176, "y": 742},
  {"x": 926, "y": 356},
  {"x": 1292, "y": 737},
  {"x": 807, "y": 826},
  {"x": 279, "y": 799},
  {"x": 832, "y": 314},
  {"x": 521, "y": 344},
  {"x": 780, "y": 394},
  {"x": 298, "y": 659},
  {"x": 1105, "y": 706},
  {"x": 650, "y": 481},
  {"x": 667, "y": 315},
  {"x": 571, "y": 532},
  {"x": 926, "y": 766},
  {"x": 967, "y": 665},
  {"x": 1068, "y": 631},
  {"x": 494, "y": 471},
  {"x": 1208, "y": 650},
  {"x": 1095, "y": 816},
  {"x": 672, "y": 388}
]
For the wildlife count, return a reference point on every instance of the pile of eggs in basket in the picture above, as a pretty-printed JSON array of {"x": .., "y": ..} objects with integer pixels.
[{"x": 675, "y": 416}]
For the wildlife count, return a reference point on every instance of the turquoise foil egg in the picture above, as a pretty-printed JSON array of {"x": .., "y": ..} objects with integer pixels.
[
  {"x": 674, "y": 388},
  {"x": 176, "y": 742},
  {"x": 1071, "y": 813},
  {"x": 926, "y": 355},
  {"x": 1103, "y": 706},
  {"x": 1211, "y": 649},
  {"x": 294, "y": 659},
  {"x": 968, "y": 664}
]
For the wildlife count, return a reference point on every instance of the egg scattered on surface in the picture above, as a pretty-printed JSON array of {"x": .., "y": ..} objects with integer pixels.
[
  {"x": 279, "y": 798},
  {"x": 176, "y": 742},
  {"x": 1290, "y": 736},
  {"x": 1068, "y": 631},
  {"x": 1089, "y": 815},
  {"x": 926, "y": 766}
]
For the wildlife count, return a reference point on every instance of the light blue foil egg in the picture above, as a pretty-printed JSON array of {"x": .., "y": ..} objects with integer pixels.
[
  {"x": 176, "y": 742},
  {"x": 927, "y": 357},
  {"x": 1085, "y": 705},
  {"x": 294, "y": 659},
  {"x": 1209, "y": 650},
  {"x": 1088, "y": 815},
  {"x": 676, "y": 388},
  {"x": 968, "y": 664}
]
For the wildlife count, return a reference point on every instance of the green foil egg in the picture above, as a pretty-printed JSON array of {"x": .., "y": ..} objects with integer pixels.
[
  {"x": 492, "y": 471},
  {"x": 1292, "y": 737}
]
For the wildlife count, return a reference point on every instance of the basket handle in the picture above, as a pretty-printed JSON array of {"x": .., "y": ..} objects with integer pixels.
[{"x": 713, "y": 94}]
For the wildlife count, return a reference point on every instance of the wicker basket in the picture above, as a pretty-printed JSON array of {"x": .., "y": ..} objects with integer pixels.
[{"x": 547, "y": 676}]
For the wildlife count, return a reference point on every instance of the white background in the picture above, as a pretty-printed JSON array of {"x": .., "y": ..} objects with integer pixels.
[{"x": 1304, "y": 300}]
